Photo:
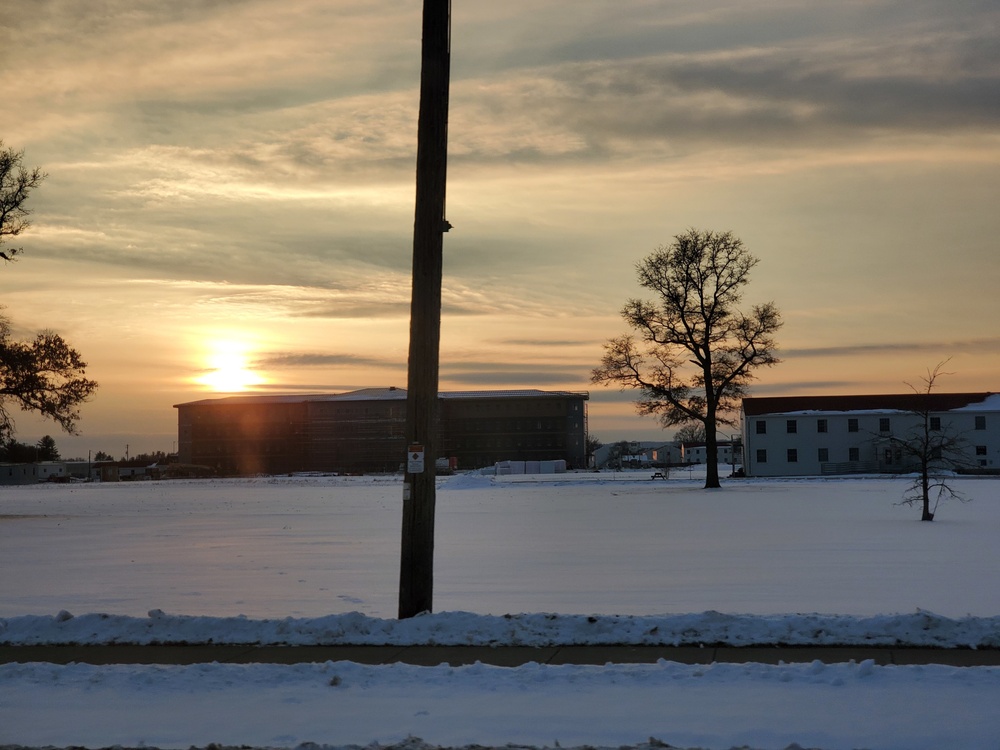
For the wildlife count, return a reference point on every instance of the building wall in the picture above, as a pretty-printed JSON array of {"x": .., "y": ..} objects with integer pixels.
[
  {"x": 18, "y": 474},
  {"x": 814, "y": 443},
  {"x": 696, "y": 453},
  {"x": 243, "y": 438},
  {"x": 43, "y": 471},
  {"x": 363, "y": 431},
  {"x": 483, "y": 429},
  {"x": 356, "y": 435}
]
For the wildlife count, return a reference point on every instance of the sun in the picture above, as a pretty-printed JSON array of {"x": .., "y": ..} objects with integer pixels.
[{"x": 228, "y": 369}]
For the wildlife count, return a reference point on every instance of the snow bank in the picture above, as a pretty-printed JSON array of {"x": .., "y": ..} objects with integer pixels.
[{"x": 920, "y": 629}]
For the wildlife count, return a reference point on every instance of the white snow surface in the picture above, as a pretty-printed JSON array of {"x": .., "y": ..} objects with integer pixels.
[{"x": 575, "y": 559}]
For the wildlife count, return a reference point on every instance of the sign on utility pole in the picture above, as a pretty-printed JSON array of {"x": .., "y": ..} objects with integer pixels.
[{"x": 416, "y": 571}]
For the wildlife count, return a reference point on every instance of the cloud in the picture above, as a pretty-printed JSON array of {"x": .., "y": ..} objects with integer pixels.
[
  {"x": 285, "y": 360},
  {"x": 805, "y": 386},
  {"x": 512, "y": 374},
  {"x": 545, "y": 343},
  {"x": 888, "y": 348},
  {"x": 503, "y": 378},
  {"x": 785, "y": 76}
]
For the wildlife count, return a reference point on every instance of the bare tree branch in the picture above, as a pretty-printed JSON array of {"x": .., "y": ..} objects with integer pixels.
[{"x": 16, "y": 184}]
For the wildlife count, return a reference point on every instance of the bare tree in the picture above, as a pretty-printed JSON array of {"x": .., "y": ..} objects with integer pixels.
[
  {"x": 700, "y": 351},
  {"x": 935, "y": 448},
  {"x": 693, "y": 432},
  {"x": 593, "y": 443},
  {"x": 16, "y": 184}
]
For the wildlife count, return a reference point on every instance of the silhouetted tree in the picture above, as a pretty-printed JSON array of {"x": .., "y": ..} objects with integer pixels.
[
  {"x": 47, "y": 450},
  {"x": 700, "y": 351},
  {"x": 14, "y": 452},
  {"x": 693, "y": 432},
  {"x": 44, "y": 375},
  {"x": 102, "y": 456},
  {"x": 593, "y": 443},
  {"x": 16, "y": 184},
  {"x": 936, "y": 448}
]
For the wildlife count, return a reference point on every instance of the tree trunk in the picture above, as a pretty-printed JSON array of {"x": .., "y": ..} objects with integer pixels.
[
  {"x": 711, "y": 454},
  {"x": 925, "y": 487}
]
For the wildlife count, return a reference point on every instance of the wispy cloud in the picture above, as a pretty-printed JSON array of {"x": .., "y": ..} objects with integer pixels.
[
  {"x": 288, "y": 361},
  {"x": 942, "y": 348},
  {"x": 545, "y": 343}
]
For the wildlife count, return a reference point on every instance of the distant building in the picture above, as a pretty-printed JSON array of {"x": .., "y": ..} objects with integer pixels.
[
  {"x": 812, "y": 435},
  {"x": 697, "y": 453},
  {"x": 363, "y": 431},
  {"x": 11, "y": 473},
  {"x": 637, "y": 454},
  {"x": 41, "y": 471}
]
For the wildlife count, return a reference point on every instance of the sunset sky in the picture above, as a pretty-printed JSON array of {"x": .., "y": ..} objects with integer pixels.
[{"x": 231, "y": 184}]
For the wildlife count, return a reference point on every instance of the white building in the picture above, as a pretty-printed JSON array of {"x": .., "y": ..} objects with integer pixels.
[
  {"x": 812, "y": 435},
  {"x": 43, "y": 471},
  {"x": 696, "y": 453}
]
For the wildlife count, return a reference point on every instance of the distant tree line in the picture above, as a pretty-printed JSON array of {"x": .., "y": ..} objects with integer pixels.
[
  {"x": 15, "y": 452},
  {"x": 12, "y": 451}
]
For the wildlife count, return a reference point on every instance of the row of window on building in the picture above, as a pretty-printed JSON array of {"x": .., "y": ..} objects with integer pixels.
[
  {"x": 853, "y": 425},
  {"x": 888, "y": 456}
]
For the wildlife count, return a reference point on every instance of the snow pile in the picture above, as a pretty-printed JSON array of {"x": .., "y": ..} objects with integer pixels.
[{"x": 921, "y": 629}]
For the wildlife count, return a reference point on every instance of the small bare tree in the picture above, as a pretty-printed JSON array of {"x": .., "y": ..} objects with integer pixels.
[{"x": 935, "y": 448}]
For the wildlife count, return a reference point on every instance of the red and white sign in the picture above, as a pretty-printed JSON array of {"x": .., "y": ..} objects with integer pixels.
[{"x": 415, "y": 459}]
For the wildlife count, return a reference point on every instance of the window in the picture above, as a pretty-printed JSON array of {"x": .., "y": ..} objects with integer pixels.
[
  {"x": 853, "y": 454},
  {"x": 852, "y": 425},
  {"x": 761, "y": 427},
  {"x": 935, "y": 423},
  {"x": 761, "y": 456},
  {"x": 980, "y": 423},
  {"x": 980, "y": 450},
  {"x": 793, "y": 455},
  {"x": 883, "y": 424},
  {"x": 791, "y": 426},
  {"x": 824, "y": 455},
  {"x": 820, "y": 425}
]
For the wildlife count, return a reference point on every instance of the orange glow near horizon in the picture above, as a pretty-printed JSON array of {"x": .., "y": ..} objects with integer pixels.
[{"x": 228, "y": 368}]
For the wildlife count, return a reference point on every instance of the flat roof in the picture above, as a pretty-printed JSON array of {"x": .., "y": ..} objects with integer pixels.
[
  {"x": 909, "y": 402},
  {"x": 390, "y": 393}
]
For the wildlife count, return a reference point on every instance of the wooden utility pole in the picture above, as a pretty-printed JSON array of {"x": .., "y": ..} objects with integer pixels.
[{"x": 416, "y": 573}]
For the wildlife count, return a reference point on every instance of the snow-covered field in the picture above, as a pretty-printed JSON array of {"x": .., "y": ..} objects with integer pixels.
[{"x": 315, "y": 559}]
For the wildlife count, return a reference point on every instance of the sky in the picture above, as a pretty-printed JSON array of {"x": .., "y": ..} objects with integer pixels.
[{"x": 231, "y": 183}]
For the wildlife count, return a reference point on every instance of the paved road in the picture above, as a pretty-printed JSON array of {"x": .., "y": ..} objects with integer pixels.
[{"x": 506, "y": 656}]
